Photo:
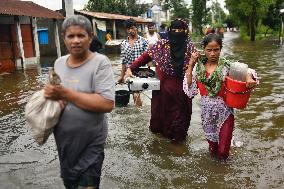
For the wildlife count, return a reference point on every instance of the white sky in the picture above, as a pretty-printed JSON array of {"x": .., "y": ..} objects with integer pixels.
[
  {"x": 79, "y": 4},
  {"x": 57, "y": 4}
]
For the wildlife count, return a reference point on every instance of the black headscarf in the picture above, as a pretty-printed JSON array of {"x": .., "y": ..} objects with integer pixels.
[{"x": 178, "y": 45}]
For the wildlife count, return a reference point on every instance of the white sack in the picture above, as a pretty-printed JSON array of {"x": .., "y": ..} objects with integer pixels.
[{"x": 42, "y": 115}]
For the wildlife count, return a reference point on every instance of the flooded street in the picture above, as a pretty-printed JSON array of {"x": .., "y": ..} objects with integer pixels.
[{"x": 136, "y": 158}]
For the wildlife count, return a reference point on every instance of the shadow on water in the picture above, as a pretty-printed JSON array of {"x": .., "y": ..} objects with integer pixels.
[{"x": 136, "y": 158}]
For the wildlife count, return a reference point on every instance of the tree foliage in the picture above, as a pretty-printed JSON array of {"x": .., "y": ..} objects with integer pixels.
[
  {"x": 178, "y": 8},
  {"x": 248, "y": 13},
  {"x": 124, "y": 7},
  {"x": 218, "y": 13},
  {"x": 199, "y": 13},
  {"x": 272, "y": 18}
]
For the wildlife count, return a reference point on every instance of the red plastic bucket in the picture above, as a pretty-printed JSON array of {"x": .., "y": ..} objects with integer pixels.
[{"x": 236, "y": 93}]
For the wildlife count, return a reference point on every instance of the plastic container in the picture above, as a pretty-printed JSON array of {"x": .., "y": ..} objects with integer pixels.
[
  {"x": 236, "y": 93},
  {"x": 238, "y": 71},
  {"x": 122, "y": 98}
]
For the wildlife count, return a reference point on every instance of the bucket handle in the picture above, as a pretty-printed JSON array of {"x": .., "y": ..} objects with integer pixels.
[{"x": 234, "y": 92}]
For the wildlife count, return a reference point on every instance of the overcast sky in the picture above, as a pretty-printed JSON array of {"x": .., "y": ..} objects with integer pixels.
[
  {"x": 79, "y": 4},
  {"x": 57, "y": 4}
]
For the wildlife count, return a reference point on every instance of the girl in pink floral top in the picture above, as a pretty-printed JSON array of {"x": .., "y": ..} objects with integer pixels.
[{"x": 207, "y": 76}]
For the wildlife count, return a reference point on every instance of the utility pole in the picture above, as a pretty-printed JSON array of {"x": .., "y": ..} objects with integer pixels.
[
  {"x": 282, "y": 25},
  {"x": 67, "y": 6}
]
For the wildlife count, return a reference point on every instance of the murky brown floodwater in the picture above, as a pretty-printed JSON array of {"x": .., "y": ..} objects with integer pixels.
[{"x": 135, "y": 158}]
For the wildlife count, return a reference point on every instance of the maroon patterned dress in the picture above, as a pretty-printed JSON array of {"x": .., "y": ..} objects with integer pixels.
[{"x": 170, "y": 107}]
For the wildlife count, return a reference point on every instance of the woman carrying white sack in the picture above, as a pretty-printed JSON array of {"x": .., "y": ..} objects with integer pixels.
[{"x": 87, "y": 89}]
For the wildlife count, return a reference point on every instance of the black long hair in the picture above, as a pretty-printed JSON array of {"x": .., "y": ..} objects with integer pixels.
[{"x": 211, "y": 37}]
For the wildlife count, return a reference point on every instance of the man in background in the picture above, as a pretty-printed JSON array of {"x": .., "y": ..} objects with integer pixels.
[
  {"x": 131, "y": 48},
  {"x": 163, "y": 32},
  {"x": 152, "y": 36}
]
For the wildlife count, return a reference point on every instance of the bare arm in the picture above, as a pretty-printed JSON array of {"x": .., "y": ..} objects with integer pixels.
[
  {"x": 192, "y": 62},
  {"x": 87, "y": 101},
  {"x": 98, "y": 97},
  {"x": 123, "y": 63},
  {"x": 122, "y": 73},
  {"x": 188, "y": 74}
]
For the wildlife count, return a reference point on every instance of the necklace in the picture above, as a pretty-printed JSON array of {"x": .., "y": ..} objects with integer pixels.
[{"x": 214, "y": 81}]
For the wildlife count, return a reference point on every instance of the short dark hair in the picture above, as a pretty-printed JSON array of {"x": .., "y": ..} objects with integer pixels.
[
  {"x": 151, "y": 24},
  {"x": 129, "y": 23},
  {"x": 163, "y": 26},
  {"x": 211, "y": 37}
]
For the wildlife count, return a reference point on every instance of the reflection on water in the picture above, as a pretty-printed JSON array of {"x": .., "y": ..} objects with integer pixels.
[{"x": 135, "y": 158}]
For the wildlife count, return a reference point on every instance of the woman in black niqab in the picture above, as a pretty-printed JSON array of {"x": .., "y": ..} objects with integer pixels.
[{"x": 178, "y": 35}]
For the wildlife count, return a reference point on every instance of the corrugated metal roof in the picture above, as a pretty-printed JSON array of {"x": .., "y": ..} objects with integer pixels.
[
  {"x": 109, "y": 16},
  {"x": 27, "y": 8}
]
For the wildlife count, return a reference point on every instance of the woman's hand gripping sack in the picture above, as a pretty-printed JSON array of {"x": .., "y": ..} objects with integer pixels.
[{"x": 42, "y": 114}]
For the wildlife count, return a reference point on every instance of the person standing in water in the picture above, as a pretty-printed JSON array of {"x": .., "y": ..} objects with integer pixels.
[
  {"x": 87, "y": 91},
  {"x": 170, "y": 108},
  {"x": 131, "y": 48},
  {"x": 208, "y": 76}
]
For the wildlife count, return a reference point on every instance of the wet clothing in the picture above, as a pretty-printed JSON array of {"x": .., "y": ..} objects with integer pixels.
[
  {"x": 215, "y": 114},
  {"x": 129, "y": 54},
  {"x": 170, "y": 108},
  {"x": 86, "y": 179},
  {"x": 221, "y": 148},
  {"x": 80, "y": 135}
]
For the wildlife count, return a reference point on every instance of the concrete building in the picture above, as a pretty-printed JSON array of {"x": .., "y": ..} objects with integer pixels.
[
  {"x": 19, "y": 44},
  {"x": 155, "y": 13}
]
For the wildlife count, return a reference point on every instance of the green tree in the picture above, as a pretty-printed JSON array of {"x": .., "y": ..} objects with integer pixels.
[
  {"x": 124, "y": 7},
  {"x": 248, "y": 13},
  {"x": 178, "y": 8},
  {"x": 230, "y": 22},
  {"x": 218, "y": 13},
  {"x": 272, "y": 18},
  {"x": 199, "y": 13}
]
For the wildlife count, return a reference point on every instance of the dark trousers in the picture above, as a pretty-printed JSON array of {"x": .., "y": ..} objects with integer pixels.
[
  {"x": 70, "y": 184},
  {"x": 222, "y": 149},
  {"x": 90, "y": 178}
]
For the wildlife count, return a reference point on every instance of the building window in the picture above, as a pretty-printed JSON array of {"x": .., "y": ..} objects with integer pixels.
[{"x": 149, "y": 13}]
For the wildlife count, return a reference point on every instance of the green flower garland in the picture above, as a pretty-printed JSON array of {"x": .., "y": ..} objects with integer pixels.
[{"x": 214, "y": 81}]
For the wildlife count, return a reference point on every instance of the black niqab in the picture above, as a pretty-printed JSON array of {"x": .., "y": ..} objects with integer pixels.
[{"x": 178, "y": 44}]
